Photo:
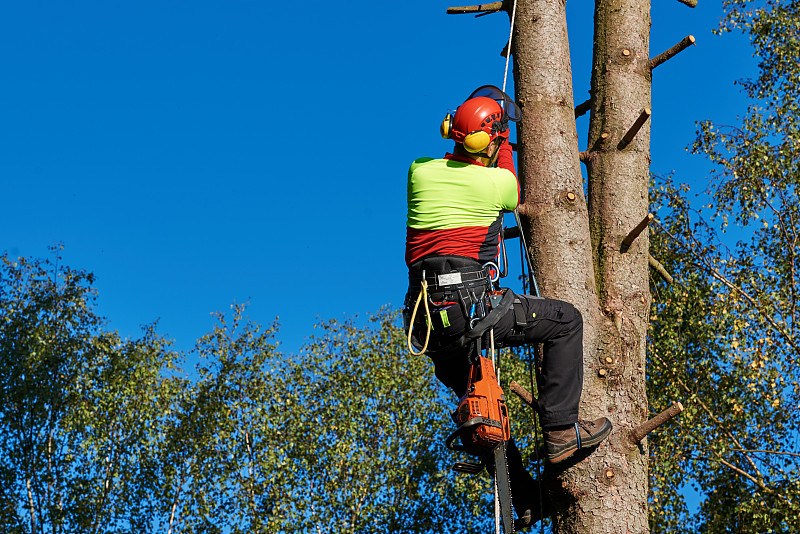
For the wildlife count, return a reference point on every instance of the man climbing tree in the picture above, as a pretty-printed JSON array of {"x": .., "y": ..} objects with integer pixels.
[
  {"x": 455, "y": 211},
  {"x": 586, "y": 240}
]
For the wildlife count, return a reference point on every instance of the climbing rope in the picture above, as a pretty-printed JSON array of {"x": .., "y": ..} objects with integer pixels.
[
  {"x": 510, "y": 36},
  {"x": 423, "y": 295},
  {"x": 529, "y": 356}
]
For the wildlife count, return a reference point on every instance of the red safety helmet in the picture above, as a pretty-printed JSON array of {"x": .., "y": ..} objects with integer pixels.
[{"x": 479, "y": 120}]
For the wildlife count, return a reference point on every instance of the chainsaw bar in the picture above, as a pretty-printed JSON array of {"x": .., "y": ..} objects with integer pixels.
[{"x": 503, "y": 487}]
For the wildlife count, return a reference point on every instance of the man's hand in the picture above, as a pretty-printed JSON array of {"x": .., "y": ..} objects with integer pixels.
[{"x": 504, "y": 134}]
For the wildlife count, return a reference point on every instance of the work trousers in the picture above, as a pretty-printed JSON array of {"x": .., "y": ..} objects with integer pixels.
[{"x": 554, "y": 323}]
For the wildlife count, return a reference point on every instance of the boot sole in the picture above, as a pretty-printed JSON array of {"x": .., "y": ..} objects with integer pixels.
[{"x": 572, "y": 446}]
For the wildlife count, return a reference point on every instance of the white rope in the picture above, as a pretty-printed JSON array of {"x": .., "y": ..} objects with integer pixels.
[{"x": 510, "y": 36}]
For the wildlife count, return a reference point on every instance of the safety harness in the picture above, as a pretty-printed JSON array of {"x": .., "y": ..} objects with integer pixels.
[{"x": 473, "y": 290}]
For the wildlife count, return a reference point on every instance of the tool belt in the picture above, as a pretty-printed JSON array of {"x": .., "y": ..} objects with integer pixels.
[
  {"x": 447, "y": 275},
  {"x": 450, "y": 279},
  {"x": 463, "y": 281}
]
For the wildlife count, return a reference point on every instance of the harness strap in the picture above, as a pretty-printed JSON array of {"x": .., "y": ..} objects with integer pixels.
[
  {"x": 489, "y": 321},
  {"x": 452, "y": 280}
]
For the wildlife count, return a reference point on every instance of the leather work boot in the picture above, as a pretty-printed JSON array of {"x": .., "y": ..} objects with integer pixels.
[{"x": 561, "y": 444}]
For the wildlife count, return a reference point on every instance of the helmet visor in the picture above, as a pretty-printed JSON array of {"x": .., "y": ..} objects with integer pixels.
[{"x": 512, "y": 110}]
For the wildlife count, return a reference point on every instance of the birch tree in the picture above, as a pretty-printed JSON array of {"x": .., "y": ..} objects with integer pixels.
[{"x": 732, "y": 314}]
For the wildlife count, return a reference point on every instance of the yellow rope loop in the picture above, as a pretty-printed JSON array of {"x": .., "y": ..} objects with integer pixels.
[{"x": 423, "y": 295}]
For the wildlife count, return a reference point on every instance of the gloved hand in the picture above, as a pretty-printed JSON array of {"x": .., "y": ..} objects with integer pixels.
[{"x": 504, "y": 134}]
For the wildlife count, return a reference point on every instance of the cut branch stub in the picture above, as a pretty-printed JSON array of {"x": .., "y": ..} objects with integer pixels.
[
  {"x": 654, "y": 263},
  {"x": 690, "y": 3},
  {"x": 638, "y": 433},
  {"x": 685, "y": 43},
  {"x": 480, "y": 8},
  {"x": 634, "y": 129},
  {"x": 628, "y": 241},
  {"x": 523, "y": 394},
  {"x": 599, "y": 143},
  {"x": 582, "y": 108}
]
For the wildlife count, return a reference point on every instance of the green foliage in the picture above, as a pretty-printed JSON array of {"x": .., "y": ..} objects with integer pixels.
[
  {"x": 80, "y": 409},
  {"x": 101, "y": 434},
  {"x": 724, "y": 338},
  {"x": 346, "y": 437}
]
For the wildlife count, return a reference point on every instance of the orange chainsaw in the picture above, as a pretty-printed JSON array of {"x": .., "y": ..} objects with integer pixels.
[
  {"x": 481, "y": 415},
  {"x": 484, "y": 430}
]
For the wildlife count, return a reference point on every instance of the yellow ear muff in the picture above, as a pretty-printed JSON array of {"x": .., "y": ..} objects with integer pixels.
[
  {"x": 447, "y": 126},
  {"x": 477, "y": 141}
]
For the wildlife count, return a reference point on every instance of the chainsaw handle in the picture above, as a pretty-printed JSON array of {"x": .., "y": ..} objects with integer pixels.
[{"x": 475, "y": 421}]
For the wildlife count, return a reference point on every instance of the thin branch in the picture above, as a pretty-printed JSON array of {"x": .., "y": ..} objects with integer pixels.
[
  {"x": 524, "y": 395},
  {"x": 709, "y": 412},
  {"x": 30, "y": 504},
  {"x": 175, "y": 501},
  {"x": 107, "y": 478},
  {"x": 741, "y": 472},
  {"x": 768, "y": 452},
  {"x": 757, "y": 481},
  {"x": 480, "y": 8},
  {"x": 659, "y": 268},
  {"x": 250, "y": 461},
  {"x": 51, "y": 478},
  {"x": 667, "y": 54},
  {"x": 690, "y": 3},
  {"x": 582, "y": 108},
  {"x": 703, "y": 263},
  {"x": 639, "y": 433},
  {"x": 793, "y": 259},
  {"x": 628, "y": 241},
  {"x": 634, "y": 129}
]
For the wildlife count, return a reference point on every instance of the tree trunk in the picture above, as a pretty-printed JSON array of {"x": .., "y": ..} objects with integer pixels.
[{"x": 575, "y": 245}]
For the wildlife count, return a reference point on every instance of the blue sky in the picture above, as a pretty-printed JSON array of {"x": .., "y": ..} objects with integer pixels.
[{"x": 195, "y": 153}]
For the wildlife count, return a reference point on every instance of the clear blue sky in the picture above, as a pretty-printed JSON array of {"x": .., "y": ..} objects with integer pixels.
[{"x": 195, "y": 153}]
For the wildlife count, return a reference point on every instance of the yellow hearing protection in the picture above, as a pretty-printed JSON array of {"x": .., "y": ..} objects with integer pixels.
[
  {"x": 477, "y": 141},
  {"x": 447, "y": 126}
]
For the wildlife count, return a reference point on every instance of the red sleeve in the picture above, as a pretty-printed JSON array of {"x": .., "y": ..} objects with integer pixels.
[{"x": 505, "y": 160}]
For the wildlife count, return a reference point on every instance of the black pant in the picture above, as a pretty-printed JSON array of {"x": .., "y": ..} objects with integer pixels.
[{"x": 554, "y": 323}]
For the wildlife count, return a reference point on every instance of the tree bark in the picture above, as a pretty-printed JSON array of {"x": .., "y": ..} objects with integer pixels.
[{"x": 576, "y": 245}]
